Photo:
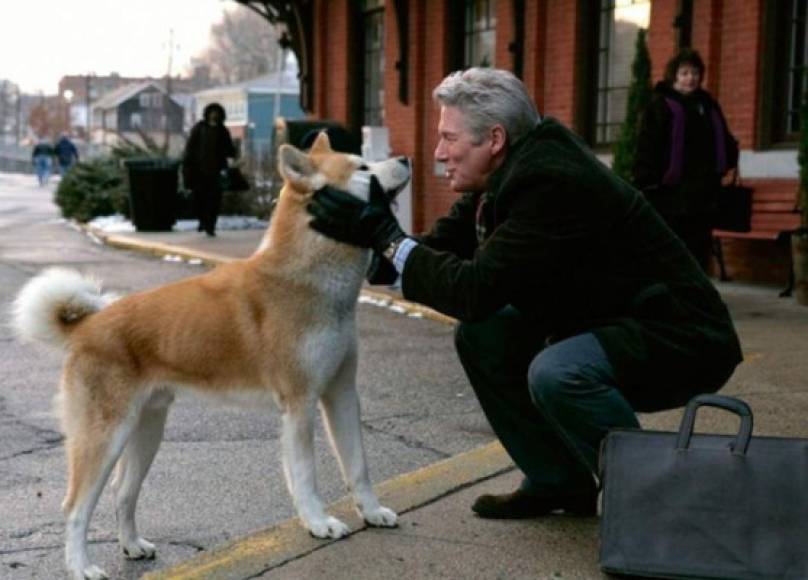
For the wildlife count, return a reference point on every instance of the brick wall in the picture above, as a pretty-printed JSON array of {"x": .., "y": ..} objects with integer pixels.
[
  {"x": 727, "y": 33},
  {"x": 560, "y": 56},
  {"x": 661, "y": 36}
]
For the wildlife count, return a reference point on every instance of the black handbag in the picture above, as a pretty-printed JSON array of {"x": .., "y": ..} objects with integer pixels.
[
  {"x": 684, "y": 505},
  {"x": 232, "y": 179},
  {"x": 734, "y": 208}
]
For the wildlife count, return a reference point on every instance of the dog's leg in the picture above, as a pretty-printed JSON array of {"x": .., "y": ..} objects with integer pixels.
[
  {"x": 93, "y": 447},
  {"x": 131, "y": 471},
  {"x": 297, "y": 440},
  {"x": 340, "y": 406}
]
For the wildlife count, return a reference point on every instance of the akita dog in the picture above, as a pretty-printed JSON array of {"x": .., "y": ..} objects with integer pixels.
[{"x": 278, "y": 327}]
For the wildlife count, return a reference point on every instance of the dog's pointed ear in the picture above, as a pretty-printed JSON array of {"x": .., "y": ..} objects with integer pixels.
[
  {"x": 322, "y": 144},
  {"x": 296, "y": 167}
]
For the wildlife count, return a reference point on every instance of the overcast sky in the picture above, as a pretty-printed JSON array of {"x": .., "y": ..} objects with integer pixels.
[{"x": 43, "y": 40}]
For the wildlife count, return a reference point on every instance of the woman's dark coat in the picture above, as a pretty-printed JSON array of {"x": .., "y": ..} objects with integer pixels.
[
  {"x": 206, "y": 152},
  {"x": 577, "y": 249},
  {"x": 695, "y": 192}
]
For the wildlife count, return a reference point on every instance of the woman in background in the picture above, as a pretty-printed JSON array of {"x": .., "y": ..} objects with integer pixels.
[
  {"x": 206, "y": 156},
  {"x": 685, "y": 152}
]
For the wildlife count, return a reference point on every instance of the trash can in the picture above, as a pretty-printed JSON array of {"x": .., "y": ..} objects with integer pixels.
[
  {"x": 301, "y": 134},
  {"x": 153, "y": 193}
]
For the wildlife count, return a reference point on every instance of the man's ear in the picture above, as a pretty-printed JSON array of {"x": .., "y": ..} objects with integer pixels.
[
  {"x": 499, "y": 138},
  {"x": 295, "y": 167}
]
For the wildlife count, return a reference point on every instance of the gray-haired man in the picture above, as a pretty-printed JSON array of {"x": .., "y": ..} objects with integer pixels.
[{"x": 578, "y": 306}]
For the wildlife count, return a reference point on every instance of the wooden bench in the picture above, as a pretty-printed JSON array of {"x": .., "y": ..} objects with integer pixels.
[{"x": 775, "y": 217}]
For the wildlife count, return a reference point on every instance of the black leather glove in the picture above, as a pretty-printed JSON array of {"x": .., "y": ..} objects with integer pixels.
[{"x": 342, "y": 217}]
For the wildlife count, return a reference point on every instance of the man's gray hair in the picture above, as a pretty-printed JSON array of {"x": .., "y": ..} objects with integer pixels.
[{"x": 487, "y": 97}]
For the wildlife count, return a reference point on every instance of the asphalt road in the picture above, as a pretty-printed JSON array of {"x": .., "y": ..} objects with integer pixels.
[{"x": 218, "y": 473}]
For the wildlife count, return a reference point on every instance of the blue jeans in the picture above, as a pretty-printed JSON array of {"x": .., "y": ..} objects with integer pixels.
[
  {"x": 551, "y": 405},
  {"x": 42, "y": 165}
]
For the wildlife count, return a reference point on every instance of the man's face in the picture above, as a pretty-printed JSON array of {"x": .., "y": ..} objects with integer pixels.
[{"x": 467, "y": 165}]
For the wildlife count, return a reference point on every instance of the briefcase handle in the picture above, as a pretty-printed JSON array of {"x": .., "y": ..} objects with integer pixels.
[{"x": 741, "y": 443}]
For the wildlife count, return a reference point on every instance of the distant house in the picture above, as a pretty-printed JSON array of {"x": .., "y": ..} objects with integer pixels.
[
  {"x": 252, "y": 106},
  {"x": 138, "y": 108}
]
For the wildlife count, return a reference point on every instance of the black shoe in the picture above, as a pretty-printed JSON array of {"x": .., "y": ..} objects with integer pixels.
[
  {"x": 210, "y": 233},
  {"x": 522, "y": 504}
]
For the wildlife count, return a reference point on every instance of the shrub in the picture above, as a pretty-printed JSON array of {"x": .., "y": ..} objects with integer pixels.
[
  {"x": 639, "y": 95},
  {"x": 93, "y": 188}
]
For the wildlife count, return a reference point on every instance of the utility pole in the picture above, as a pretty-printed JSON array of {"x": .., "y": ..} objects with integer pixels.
[
  {"x": 167, "y": 98},
  {"x": 88, "y": 100},
  {"x": 18, "y": 124}
]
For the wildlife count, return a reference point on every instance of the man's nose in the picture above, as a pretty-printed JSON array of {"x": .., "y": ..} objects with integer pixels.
[{"x": 440, "y": 153}]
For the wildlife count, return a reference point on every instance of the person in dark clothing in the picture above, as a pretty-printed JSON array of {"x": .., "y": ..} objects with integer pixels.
[
  {"x": 42, "y": 158},
  {"x": 66, "y": 154},
  {"x": 684, "y": 153},
  {"x": 577, "y": 304},
  {"x": 206, "y": 156}
]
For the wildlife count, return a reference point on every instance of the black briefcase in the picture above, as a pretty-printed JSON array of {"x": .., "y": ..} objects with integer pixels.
[{"x": 685, "y": 505}]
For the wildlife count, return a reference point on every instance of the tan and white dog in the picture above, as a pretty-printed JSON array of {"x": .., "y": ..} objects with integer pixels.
[{"x": 277, "y": 328}]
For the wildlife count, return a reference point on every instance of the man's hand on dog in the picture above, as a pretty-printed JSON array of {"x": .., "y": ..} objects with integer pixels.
[{"x": 342, "y": 217}]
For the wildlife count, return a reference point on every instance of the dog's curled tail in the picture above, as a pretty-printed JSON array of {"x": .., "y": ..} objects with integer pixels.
[{"x": 50, "y": 305}]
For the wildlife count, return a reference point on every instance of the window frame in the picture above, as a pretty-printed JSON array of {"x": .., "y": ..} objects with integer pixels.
[
  {"x": 371, "y": 113},
  {"x": 595, "y": 36},
  {"x": 776, "y": 105},
  {"x": 471, "y": 32}
]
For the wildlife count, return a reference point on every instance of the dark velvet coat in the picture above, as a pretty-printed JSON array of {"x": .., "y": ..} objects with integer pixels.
[
  {"x": 206, "y": 154},
  {"x": 576, "y": 249},
  {"x": 697, "y": 189}
]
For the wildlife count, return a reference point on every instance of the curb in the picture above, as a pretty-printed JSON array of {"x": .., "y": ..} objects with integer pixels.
[
  {"x": 159, "y": 249},
  {"x": 154, "y": 248},
  {"x": 263, "y": 551}
]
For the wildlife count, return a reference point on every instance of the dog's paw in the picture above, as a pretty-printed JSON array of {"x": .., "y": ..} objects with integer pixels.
[
  {"x": 329, "y": 527},
  {"x": 94, "y": 573},
  {"x": 381, "y": 517},
  {"x": 140, "y": 549}
]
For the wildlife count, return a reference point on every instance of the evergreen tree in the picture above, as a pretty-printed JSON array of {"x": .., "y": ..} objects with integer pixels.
[{"x": 639, "y": 95}]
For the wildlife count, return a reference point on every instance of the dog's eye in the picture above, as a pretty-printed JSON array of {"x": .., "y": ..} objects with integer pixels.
[{"x": 363, "y": 167}]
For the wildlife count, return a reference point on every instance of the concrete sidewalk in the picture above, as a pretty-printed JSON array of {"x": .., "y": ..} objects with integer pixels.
[{"x": 438, "y": 535}]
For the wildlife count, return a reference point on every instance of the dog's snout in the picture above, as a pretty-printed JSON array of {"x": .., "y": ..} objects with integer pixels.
[{"x": 404, "y": 161}]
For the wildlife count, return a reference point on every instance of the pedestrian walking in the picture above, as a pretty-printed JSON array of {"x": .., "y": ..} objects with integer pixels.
[
  {"x": 685, "y": 152},
  {"x": 42, "y": 158},
  {"x": 67, "y": 155},
  {"x": 206, "y": 156},
  {"x": 578, "y": 306}
]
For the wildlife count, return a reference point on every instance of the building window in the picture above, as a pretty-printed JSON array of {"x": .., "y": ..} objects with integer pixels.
[
  {"x": 789, "y": 81},
  {"x": 373, "y": 60},
  {"x": 479, "y": 32},
  {"x": 135, "y": 121},
  {"x": 619, "y": 21}
]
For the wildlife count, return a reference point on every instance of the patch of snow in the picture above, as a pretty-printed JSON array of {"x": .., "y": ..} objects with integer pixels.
[
  {"x": 119, "y": 224},
  {"x": 113, "y": 224}
]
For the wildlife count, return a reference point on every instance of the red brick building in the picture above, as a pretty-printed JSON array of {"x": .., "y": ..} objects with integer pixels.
[{"x": 375, "y": 62}]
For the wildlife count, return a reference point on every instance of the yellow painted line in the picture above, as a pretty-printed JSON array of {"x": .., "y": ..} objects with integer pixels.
[
  {"x": 156, "y": 248},
  {"x": 409, "y": 307},
  {"x": 267, "y": 549}
]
